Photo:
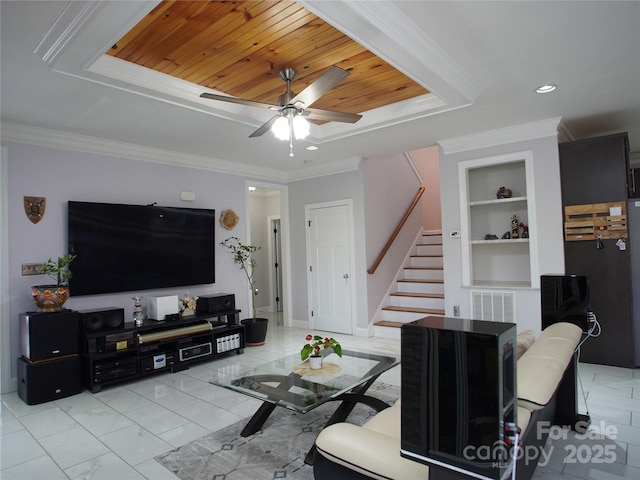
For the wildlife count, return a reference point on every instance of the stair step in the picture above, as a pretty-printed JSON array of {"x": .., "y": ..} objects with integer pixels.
[
  {"x": 419, "y": 280},
  {"x": 417, "y": 295},
  {"x": 431, "y": 311},
  {"x": 387, "y": 323}
]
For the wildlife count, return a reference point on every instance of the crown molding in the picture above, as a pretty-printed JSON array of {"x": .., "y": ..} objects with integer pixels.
[
  {"x": 502, "y": 136},
  {"x": 68, "y": 141}
]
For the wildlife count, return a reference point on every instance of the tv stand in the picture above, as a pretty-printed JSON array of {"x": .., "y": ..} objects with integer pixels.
[{"x": 113, "y": 356}]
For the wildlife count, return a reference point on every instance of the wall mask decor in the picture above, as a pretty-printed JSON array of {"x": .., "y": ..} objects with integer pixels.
[{"x": 35, "y": 207}]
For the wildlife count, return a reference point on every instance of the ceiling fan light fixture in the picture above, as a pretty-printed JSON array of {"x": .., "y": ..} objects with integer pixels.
[
  {"x": 300, "y": 127},
  {"x": 280, "y": 128}
]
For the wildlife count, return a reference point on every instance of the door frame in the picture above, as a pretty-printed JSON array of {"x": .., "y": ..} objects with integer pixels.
[
  {"x": 287, "y": 305},
  {"x": 351, "y": 241},
  {"x": 7, "y": 384}
]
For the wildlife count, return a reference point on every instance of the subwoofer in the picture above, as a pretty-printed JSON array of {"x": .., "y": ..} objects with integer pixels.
[
  {"x": 216, "y": 303},
  {"x": 48, "y": 335},
  {"x": 110, "y": 318},
  {"x": 40, "y": 382}
]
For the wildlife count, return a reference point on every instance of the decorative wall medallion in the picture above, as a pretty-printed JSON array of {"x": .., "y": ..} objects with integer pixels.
[
  {"x": 229, "y": 219},
  {"x": 34, "y": 207}
]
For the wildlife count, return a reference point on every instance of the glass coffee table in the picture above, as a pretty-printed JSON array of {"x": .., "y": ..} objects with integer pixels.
[{"x": 289, "y": 383}]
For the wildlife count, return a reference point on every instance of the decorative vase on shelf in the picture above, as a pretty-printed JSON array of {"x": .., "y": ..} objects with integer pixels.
[
  {"x": 50, "y": 298},
  {"x": 315, "y": 362}
]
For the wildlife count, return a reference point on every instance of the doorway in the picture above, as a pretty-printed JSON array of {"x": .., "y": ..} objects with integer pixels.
[
  {"x": 330, "y": 258},
  {"x": 267, "y": 209}
]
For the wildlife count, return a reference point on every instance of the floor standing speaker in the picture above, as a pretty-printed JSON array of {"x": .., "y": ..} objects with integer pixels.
[
  {"x": 48, "y": 335},
  {"x": 40, "y": 382}
]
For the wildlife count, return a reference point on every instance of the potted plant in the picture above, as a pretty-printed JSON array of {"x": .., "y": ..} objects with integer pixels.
[
  {"x": 315, "y": 343},
  {"x": 51, "y": 298},
  {"x": 243, "y": 255}
]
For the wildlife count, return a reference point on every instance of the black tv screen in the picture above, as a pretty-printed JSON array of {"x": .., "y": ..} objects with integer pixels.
[{"x": 126, "y": 248}]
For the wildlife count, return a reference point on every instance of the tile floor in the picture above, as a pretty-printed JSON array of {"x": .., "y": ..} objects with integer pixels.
[{"x": 115, "y": 434}]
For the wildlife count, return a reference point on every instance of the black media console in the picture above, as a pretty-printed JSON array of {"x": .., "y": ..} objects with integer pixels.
[{"x": 112, "y": 356}]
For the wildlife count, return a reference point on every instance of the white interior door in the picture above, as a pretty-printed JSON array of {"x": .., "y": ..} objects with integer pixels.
[{"x": 330, "y": 267}]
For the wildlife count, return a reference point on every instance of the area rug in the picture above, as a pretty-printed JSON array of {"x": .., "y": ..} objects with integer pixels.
[{"x": 276, "y": 451}]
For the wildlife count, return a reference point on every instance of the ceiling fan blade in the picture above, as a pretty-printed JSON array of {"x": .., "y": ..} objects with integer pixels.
[
  {"x": 331, "y": 116},
  {"x": 239, "y": 101},
  {"x": 265, "y": 127},
  {"x": 320, "y": 86}
]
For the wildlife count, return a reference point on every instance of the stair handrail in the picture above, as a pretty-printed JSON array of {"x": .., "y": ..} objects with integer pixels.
[{"x": 395, "y": 233}]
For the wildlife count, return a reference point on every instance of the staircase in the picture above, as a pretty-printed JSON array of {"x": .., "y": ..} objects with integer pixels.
[{"x": 420, "y": 290}]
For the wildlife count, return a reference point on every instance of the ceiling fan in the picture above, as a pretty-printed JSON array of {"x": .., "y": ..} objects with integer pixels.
[{"x": 291, "y": 107}]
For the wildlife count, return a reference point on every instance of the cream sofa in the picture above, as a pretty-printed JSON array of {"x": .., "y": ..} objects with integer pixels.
[{"x": 546, "y": 388}]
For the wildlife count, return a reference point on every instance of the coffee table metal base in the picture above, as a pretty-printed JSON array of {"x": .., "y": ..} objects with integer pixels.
[{"x": 349, "y": 400}]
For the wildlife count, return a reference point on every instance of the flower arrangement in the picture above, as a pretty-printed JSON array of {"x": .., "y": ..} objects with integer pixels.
[
  {"x": 316, "y": 344},
  {"x": 188, "y": 303}
]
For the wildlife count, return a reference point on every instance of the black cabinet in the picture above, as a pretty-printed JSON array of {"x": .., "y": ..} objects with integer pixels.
[
  {"x": 114, "y": 356},
  {"x": 596, "y": 171}
]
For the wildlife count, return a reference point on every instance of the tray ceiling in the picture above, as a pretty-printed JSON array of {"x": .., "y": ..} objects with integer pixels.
[{"x": 238, "y": 48}]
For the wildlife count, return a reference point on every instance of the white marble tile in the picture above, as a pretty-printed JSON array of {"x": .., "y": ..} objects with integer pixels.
[
  {"x": 633, "y": 455},
  {"x": 78, "y": 403},
  {"x": 73, "y": 446},
  {"x": 19, "y": 447},
  {"x": 209, "y": 416},
  {"x": 155, "y": 471},
  {"x": 169, "y": 397},
  {"x": 19, "y": 408},
  {"x": 183, "y": 382},
  {"x": 183, "y": 434},
  {"x": 9, "y": 423},
  {"x": 134, "y": 444},
  {"x": 105, "y": 467},
  {"x": 47, "y": 422},
  {"x": 123, "y": 399},
  {"x": 156, "y": 418},
  {"x": 41, "y": 468},
  {"x": 102, "y": 420}
]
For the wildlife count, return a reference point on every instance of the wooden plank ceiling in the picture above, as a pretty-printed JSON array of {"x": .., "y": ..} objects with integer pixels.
[{"x": 238, "y": 47}]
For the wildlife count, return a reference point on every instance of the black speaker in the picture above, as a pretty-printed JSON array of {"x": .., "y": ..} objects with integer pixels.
[
  {"x": 48, "y": 335},
  {"x": 219, "y": 302},
  {"x": 40, "y": 382},
  {"x": 109, "y": 318}
]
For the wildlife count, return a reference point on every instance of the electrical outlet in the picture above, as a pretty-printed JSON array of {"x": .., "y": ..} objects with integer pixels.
[
  {"x": 32, "y": 268},
  {"x": 456, "y": 311}
]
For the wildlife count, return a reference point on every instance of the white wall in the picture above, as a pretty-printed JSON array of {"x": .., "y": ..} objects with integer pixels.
[
  {"x": 427, "y": 163},
  {"x": 548, "y": 228},
  {"x": 62, "y": 175}
]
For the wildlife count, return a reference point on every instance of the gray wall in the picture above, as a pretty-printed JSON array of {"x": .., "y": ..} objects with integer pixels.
[
  {"x": 328, "y": 188},
  {"x": 62, "y": 175}
]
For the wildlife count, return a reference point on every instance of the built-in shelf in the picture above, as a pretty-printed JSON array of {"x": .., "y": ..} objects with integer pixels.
[
  {"x": 493, "y": 242},
  {"x": 504, "y": 262}
]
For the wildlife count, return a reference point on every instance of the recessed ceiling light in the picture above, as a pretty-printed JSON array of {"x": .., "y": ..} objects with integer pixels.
[
  {"x": 312, "y": 147},
  {"x": 546, "y": 88}
]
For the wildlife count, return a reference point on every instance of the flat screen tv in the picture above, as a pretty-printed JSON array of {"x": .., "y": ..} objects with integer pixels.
[{"x": 127, "y": 248}]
